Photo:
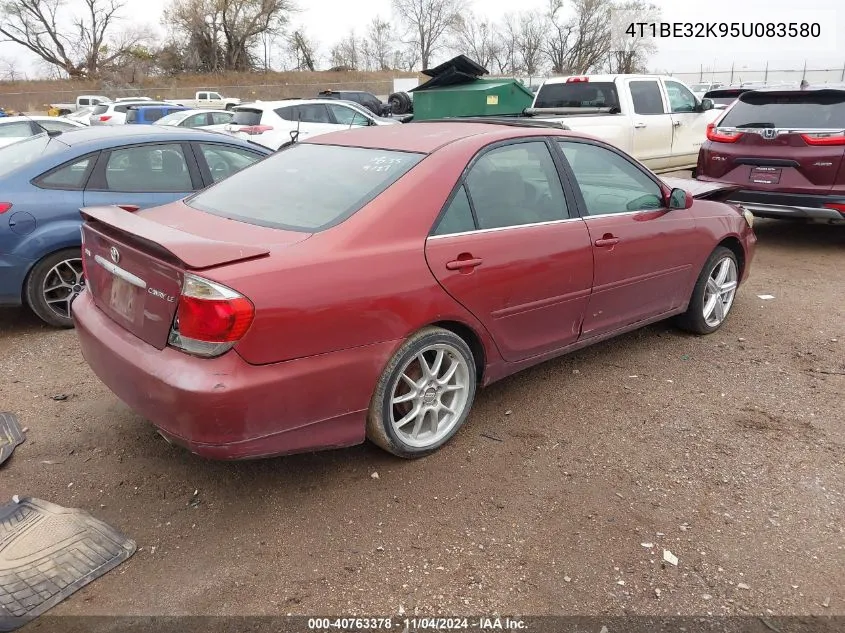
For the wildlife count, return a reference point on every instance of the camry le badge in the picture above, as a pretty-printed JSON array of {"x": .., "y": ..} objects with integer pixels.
[{"x": 115, "y": 254}]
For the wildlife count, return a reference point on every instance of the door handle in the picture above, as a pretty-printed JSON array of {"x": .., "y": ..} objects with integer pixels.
[
  {"x": 639, "y": 126},
  {"x": 607, "y": 240},
  {"x": 458, "y": 264},
  {"x": 676, "y": 123}
]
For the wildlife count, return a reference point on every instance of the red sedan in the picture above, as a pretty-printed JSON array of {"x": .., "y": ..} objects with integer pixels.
[{"x": 363, "y": 284}]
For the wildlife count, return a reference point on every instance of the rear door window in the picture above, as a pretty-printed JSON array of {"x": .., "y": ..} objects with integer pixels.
[
  {"x": 347, "y": 116},
  {"x": 581, "y": 94},
  {"x": 218, "y": 118},
  {"x": 148, "y": 168},
  {"x": 17, "y": 129},
  {"x": 307, "y": 187},
  {"x": 100, "y": 109},
  {"x": 788, "y": 110},
  {"x": 223, "y": 161},
  {"x": 58, "y": 126},
  {"x": 198, "y": 120},
  {"x": 647, "y": 97},
  {"x": 516, "y": 184}
]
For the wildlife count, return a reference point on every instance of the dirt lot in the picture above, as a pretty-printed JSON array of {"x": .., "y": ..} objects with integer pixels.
[{"x": 727, "y": 450}]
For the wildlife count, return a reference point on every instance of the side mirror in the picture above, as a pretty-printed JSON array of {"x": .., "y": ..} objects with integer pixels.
[
  {"x": 680, "y": 199},
  {"x": 706, "y": 104}
]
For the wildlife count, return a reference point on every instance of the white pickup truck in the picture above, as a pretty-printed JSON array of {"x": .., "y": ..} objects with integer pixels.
[
  {"x": 82, "y": 101},
  {"x": 654, "y": 118},
  {"x": 205, "y": 99}
]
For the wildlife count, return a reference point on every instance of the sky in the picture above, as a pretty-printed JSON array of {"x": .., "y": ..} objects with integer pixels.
[{"x": 330, "y": 20}]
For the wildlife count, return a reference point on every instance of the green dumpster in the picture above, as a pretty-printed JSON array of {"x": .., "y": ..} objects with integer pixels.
[{"x": 456, "y": 89}]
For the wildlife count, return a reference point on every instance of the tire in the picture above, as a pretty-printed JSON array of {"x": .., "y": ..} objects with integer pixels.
[
  {"x": 229, "y": 106},
  {"x": 698, "y": 319},
  {"x": 419, "y": 435},
  {"x": 395, "y": 103},
  {"x": 694, "y": 174},
  {"x": 61, "y": 274}
]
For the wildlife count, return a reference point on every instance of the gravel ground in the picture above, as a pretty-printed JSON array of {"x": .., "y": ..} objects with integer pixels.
[{"x": 726, "y": 450}]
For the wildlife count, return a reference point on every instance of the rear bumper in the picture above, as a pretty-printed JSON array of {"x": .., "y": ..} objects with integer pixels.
[
  {"x": 778, "y": 205},
  {"x": 225, "y": 408}
]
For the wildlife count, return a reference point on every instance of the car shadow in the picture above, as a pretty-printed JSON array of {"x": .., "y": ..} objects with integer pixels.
[
  {"x": 20, "y": 320},
  {"x": 799, "y": 235}
]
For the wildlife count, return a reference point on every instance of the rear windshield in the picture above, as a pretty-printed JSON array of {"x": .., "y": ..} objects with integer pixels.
[
  {"x": 305, "y": 187},
  {"x": 582, "y": 94},
  {"x": 18, "y": 154},
  {"x": 795, "y": 110},
  {"x": 100, "y": 109},
  {"x": 246, "y": 117}
]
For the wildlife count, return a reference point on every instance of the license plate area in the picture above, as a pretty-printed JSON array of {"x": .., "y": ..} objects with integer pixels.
[
  {"x": 122, "y": 298},
  {"x": 765, "y": 175}
]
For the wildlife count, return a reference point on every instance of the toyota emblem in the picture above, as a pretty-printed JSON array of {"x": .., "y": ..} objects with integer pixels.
[{"x": 115, "y": 254}]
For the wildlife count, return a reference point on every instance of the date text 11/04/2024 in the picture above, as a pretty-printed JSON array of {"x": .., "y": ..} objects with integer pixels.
[
  {"x": 410, "y": 625},
  {"x": 723, "y": 29}
]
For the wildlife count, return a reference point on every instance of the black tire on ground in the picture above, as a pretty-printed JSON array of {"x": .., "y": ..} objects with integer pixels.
[
  {"x": 34, "y": 284},
  {"x": 395, "y": 104},
  {"x": 694, "y": 173},
  {"x": 380, "y": 429},
  {"x": 693, "y": 319}
]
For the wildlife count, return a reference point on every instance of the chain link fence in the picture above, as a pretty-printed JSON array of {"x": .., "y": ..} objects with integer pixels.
[{"x": 743, "y": 74}]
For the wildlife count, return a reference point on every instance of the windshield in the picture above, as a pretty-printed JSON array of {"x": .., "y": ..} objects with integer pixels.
[
  {"x": 306, "y": 187},
  {"x": 174, "y": 118},
  {"x": 581, "y": 94},
  {"x": 21, "y": 153},
  {"x": 788, "y": 110}
]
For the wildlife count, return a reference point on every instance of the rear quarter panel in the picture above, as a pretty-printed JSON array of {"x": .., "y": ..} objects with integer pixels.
[
  {"x": 362, "y": 282},
  {"x": 716, "y": 222}
]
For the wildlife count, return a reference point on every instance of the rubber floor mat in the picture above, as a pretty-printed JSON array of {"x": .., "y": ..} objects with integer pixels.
[
  {"x": 47, "y": 552},
  {"x": 10, "y": 435}
]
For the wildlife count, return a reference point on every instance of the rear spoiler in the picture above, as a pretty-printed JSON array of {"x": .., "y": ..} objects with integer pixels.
[
  {"x": 192, "y": 250},
  {"x": 702, "y": 190}
]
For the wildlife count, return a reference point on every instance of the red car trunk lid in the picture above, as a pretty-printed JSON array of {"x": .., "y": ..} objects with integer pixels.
[{"x": 135, "y": 267}]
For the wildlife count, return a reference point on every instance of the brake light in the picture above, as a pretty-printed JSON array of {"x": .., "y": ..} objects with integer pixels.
[
  {"x": 210, "y": 317},
  {"x": 837, "y": 206},
  {"x": 824, "y": 138},
  {"x": 255, "y": 129},
  {"x": 576, "y": 80},
  {"x": 105, "y": 117},
  {"x": 721, "y": 136},
  {"x": 5, "y": 206}
]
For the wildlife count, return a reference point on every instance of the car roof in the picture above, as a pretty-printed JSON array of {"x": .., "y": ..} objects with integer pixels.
[
  {"x": 106, "y": 135},
  {"x": 427, "y": 137}
]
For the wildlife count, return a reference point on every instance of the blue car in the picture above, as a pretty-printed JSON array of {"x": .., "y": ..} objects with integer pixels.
[
  {"x": 149, "y": 114},
  {"x": 46, "y": 179}
]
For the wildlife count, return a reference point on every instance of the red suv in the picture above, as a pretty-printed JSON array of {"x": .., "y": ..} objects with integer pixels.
[{"x": 785, "y": 148}]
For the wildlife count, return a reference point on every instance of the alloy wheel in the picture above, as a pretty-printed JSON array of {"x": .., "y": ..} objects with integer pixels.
[
  {"x": 720, "y": 291},
  {"x": 62, "y": 284}
]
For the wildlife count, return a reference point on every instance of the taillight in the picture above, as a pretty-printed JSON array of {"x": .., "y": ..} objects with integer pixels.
[
  {"x": 105, "y": 117},
  {"x": 824, "y": 138},
  {"x": 5, "y": 206},
  {"x": 255, "y": 129},
  {"x": 837, "y": 206},
  {"x": 722, "y": 136},
  {"x": 84, "y": 257},
  {"x": 210, "y": 317},
  {"x": 577, "y": 80}
]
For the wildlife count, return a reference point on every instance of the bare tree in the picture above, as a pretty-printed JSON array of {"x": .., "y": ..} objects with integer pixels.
[
  {"x": 303, "y": 50},
  {"x": 581, "y": 44},
  {"x": 630, "y": 54},
  {"x": 476, "y": 38},
  {"x": 506, "y": 54},
  {"x": 9, "y": 70},
  {"x": 77, "y": 44},
  {"x": 529, "y": 41},
  {"x": 406, "y": 57},
  {"x": 224, "y": 34},
  {"x": 427, "y": 22},
  {"x": 378, "y": 44},
  {"x": 347, "y": 53}
]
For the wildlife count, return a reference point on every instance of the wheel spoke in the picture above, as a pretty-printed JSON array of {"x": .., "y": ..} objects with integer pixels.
[
  {"x": 405, "y": 397},
  {"x": 726, "y": 287},
  {"x": 710, "y": 306},
  {"x": 719, "y": 309},
  {"x": 450, "y": 373},
  {"x": 420, "y": 419},
  {"x": 408, "y": 417},
  {"x": 438, "y": 363},
  {"x": 410, "y": 382},
  {"x": 424, "y": 367},
  {"x": 57, "y": 286},
  {"x": 722, "y": 275},
  {"x": 712, "y": 286}
]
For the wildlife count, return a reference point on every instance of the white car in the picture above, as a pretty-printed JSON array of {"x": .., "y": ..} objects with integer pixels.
[
  {"x": 196, "y": 118},
  {"x": 17, "y": 128},
  {"x": 114, "y": 112},
  {"x": 270, "y": 123},
  {"x": 83, "y": 115}
]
